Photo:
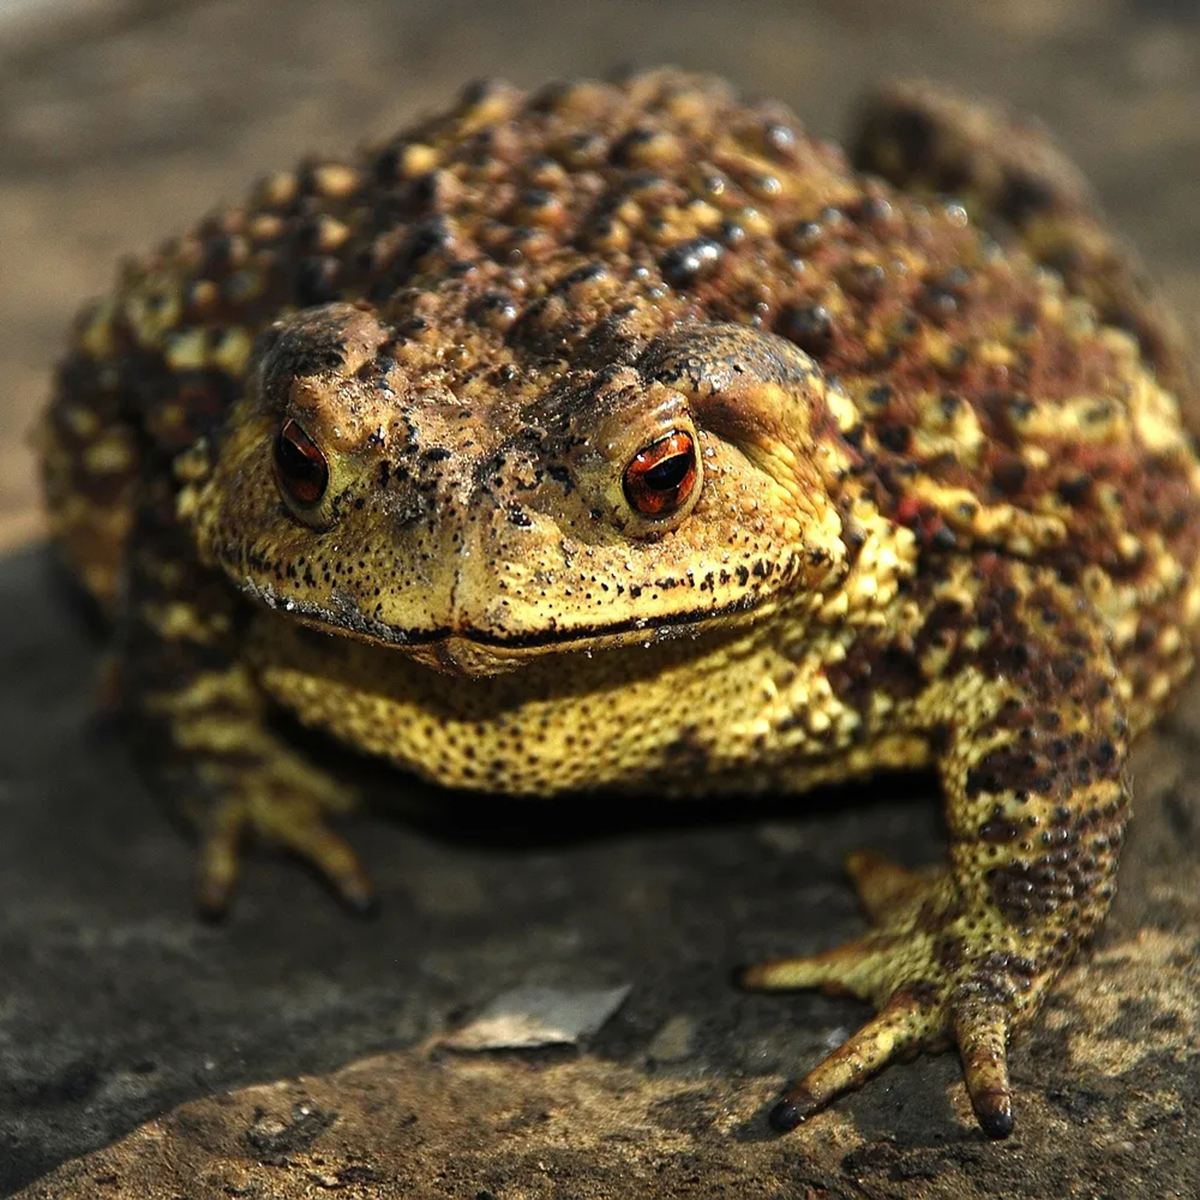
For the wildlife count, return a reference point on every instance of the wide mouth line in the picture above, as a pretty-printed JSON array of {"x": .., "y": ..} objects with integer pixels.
[{"x": 350, "y": 621}]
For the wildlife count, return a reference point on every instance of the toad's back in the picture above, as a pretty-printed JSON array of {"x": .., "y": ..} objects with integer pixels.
[
  {"x": 519, "y": 225},
  {"x": 551, "y": 371}
]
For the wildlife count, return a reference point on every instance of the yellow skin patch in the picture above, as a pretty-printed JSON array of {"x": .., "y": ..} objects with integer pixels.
[{"x": 622, "y": 437}]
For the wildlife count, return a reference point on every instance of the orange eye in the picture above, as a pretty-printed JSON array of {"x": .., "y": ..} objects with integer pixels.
[
  {"x": 661, "y": 478},
  {"x": 300, "y": 465}
]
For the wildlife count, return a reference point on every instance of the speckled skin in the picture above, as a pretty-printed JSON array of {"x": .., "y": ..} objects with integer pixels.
[{"x": 943, "y": 511}]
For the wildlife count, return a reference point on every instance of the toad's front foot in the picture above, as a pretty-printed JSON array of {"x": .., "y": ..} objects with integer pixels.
[
  {"x": 937, "y": 973},
  {"x": 284, "y": 803}
]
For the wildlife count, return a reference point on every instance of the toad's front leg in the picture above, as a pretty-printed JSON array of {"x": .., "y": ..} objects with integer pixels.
[
  {"x": 201, "y": 724},
  {"x": 1033, "y": 739}
]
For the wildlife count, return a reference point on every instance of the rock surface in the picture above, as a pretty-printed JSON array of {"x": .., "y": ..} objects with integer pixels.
[
  {"x": 1109, "y": 1090},
  {"x": 117, "y": 1006}
]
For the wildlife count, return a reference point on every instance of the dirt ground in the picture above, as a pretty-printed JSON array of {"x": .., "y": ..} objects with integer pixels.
[{"x": 122, "y": 121}]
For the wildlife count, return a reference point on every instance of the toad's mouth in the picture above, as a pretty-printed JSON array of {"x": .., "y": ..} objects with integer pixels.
[{"x": 468, "y": 650}]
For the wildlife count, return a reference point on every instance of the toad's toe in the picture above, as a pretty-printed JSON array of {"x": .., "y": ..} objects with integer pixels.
[{"x": 907, "y": 1023}]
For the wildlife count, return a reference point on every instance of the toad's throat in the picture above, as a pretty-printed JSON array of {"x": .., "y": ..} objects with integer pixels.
[{"x": 470, "y": 650}]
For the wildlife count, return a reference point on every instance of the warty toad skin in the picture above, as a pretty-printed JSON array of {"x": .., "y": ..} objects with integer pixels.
[{"x": 620, "y": 436}]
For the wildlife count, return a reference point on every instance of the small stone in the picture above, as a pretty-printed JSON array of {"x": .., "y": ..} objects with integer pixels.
[
  {"x": 529, "y": 1017},
  {"x": 673, "y": 1041}
]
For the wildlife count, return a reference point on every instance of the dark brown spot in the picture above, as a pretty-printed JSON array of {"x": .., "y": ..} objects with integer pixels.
[
  {"x": 998, "y": 831},
  {"x": 950, "y": 951},
  {"x": 1009, "y": 475},
  {"x": 810, "y": 327},
  {"x": 924, "y": 993},
  {"x": 894, "y": 437},
  {"x": 316, "y": 281},
  {"x": 863, "y": 281},
  {"x": 1023, "y": 196},
  {"x": 1075, "y": 489},
  {"x": 691, "y": 261}
]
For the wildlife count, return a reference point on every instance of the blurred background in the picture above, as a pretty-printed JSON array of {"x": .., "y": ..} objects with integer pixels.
[{"x": 123, "y": 120}]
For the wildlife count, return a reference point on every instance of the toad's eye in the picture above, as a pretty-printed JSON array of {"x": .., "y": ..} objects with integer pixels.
[
  {"x": 661, "y": 477},
  {"x": 301, "y": 467}
]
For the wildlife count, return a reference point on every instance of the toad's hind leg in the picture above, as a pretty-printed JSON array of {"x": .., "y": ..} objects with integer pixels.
[
  {"x": 201, "y": 723},
  {"x": 1033, "y": 740},
  {"x": 1015, "y": 180}
]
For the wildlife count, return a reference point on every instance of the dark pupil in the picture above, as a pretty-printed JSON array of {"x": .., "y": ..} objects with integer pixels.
[
  {"x": 669, "y": 473},
  {"x": 297, "y": 465},
  {"x": 301, "y": 463}
]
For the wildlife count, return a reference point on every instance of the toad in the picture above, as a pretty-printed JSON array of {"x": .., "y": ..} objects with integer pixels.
[{"x": 621, "y": 436}]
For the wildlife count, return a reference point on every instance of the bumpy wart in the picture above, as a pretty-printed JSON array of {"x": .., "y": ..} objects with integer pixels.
[{"x": 623, "y": 436}]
